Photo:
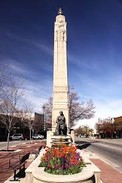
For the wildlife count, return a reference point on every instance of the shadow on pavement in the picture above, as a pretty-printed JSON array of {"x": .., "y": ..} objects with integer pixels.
[{"x": 82, "y": 145}]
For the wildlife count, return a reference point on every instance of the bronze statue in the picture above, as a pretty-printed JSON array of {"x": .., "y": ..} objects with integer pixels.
[{"x": 61, "y": 128}]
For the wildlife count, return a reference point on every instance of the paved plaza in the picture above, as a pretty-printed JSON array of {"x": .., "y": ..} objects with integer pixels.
[{"x": 19, "y": 150}]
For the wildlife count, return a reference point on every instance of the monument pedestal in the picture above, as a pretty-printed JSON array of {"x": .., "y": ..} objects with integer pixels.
[
  {"x": 49, "y": 134},
  {"x": 61, "y": 139},
  {"x": 58, "y": 139}
]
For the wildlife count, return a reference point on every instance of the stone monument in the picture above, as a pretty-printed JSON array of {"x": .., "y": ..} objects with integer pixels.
[
  {"x": 60, "y": 79},
  {"x": 34, "y": 173},
  {"x": 60, "y": 128}
]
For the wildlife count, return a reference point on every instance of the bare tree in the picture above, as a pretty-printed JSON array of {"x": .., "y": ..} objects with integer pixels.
[
  {"x": 38, "y": 123},
  {"x": 84, "y": 131},
  {"x": 77, "y": 110},
  {"x": 27, "y": 117},
  {"x": 48, "y": 110},
  {"x": 79, "y": 131},
  {"x": 33, "y": 121},
  {"x": 107, "y": 129},
  {"x": 10, "y": 96}
]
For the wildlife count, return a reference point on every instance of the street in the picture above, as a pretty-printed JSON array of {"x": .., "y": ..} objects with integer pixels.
[{"x": 107, "y": 150}]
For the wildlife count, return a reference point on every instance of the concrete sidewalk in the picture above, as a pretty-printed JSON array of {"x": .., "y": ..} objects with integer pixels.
[{"x": 108, "y": 173}]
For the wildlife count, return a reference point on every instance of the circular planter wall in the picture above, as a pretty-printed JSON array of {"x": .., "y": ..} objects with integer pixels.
[{"x": 40, "y": 176}]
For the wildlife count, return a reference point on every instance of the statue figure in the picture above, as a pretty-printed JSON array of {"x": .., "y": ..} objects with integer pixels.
[{"x": 61, "y": 128}]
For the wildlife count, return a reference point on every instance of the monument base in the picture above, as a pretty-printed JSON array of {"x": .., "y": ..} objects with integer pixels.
[{"x": 59, "y": 139}]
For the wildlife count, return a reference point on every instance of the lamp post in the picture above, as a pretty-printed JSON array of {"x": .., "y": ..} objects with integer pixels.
[
  {"x": 44, "y": 118},
  {"x": 112, "y": 121}
]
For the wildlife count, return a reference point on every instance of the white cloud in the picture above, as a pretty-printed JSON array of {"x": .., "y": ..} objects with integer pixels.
[
  {"x": 37, "y": 94},
  {"x": 104, "y": 109},
  {"x": 38, "y": 44},
  {"x": 16, "y": 67},
  {"x": 43, "y": 47}
]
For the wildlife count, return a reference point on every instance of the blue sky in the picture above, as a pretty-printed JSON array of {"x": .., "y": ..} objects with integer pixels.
[{"x": 94, "y": 49}]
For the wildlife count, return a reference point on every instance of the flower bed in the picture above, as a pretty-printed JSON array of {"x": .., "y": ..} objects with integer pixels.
[{"x": 62, "y": 160}]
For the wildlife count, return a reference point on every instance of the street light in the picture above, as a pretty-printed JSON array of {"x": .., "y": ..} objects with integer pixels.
[
  {"x": 44, "y": 118},
  {"x": 112, "y": 121}
]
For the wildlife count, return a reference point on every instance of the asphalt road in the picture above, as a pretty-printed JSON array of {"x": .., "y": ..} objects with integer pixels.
[{"x": 109, "y": 151}]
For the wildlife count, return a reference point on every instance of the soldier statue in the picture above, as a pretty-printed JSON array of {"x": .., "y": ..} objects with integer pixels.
[{"x": 61, "y": 128}]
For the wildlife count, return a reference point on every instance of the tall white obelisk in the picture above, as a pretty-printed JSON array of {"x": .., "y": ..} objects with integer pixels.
[{"x": 60, "y": 78}]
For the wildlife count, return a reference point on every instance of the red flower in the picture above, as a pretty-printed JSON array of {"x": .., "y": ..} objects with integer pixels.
[{"x": 62, "y": 159}]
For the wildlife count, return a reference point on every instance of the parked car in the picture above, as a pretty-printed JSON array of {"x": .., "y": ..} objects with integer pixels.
[
  {"x": 37, "y": 136},
  {"x": 17, "y": 136}
]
